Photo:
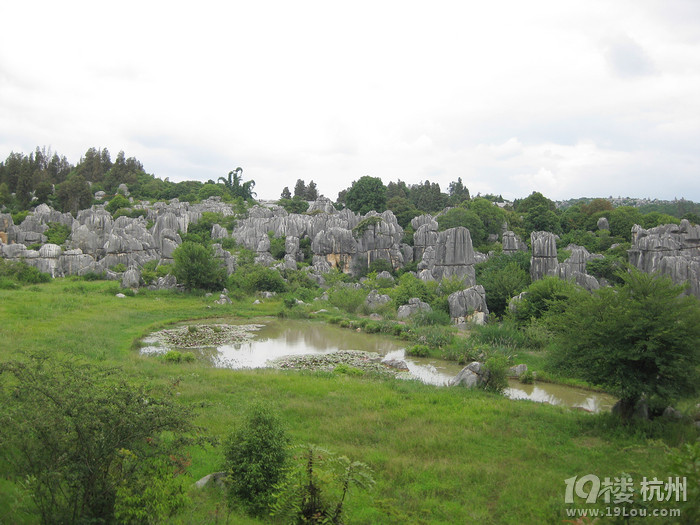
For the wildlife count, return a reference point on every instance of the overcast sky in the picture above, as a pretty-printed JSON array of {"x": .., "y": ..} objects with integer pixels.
[{"x": 570, "y": 98}]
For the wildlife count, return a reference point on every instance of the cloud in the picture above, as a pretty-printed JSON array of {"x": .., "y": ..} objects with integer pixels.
[{"x": 627, "y": 58}]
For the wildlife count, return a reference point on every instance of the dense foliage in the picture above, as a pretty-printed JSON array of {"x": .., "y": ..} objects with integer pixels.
[
  {"x": 637, "y": 339},
  {"x": 82, "y": 438}
]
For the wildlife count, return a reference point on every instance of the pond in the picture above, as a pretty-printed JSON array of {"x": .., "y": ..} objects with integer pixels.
[{"x": 235, "y": 344}]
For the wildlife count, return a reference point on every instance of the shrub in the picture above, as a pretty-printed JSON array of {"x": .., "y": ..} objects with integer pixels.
[
  {"x": 255, "y": 457},
  {"x": 172, "y": 356},
  {"x": 431, "y": 318},
  {"x": 433, "y": 336},
  {"x": 527, "y": 377},
  {"x": 348, "y": 370},
  {"x": 53, "y": 416},
  {"x": 497, "y": 374},
  {"x": 117, "y": 202},
  {"x": 317, "y": 487},
  {"x": 196, "y": 267},
  {"x": 118, "y": 268},
  {"x": 22, "y": 273},
  {"x": 277, "y": 246},
  {"x": 348, "y": 299},
  {"x": 418, "y": 351},
  {"x": 258, "y": 279},
  {"x": 57, "y": 233},
  {"x": 373, "y": 327}
]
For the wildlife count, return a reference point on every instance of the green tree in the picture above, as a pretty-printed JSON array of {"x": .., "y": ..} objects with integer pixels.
[
  {"x": 540, "y": 218},
  {"x": 236, "y": 187},
  {"x": 463, "y": 217},
  {"x": 427, "y": 197},
  {"x": 255, "y": 457},
  {"x": 366, "y": 194},
  {"x": 636, "y": 339},
  {"x": 300, "y": 189},
  {"x": 64, "y": 425},
  {"x": 74, "y": 194},
  {"x": 458, "y": 192},
  {"x": 503, "y": 277},
  {"x": 403, "y": 210},
  {"x": 117, "y": 202},
  {"x": 196, "y": 267},
  {"x": 286, "y": 194},
  {"x": 311, "y": 193}
]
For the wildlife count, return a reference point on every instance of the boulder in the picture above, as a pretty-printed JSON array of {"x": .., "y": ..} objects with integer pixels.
[
  {"x": 466, "y": 302},
  {"x": 517, "y": 370},
  {"x": 374, "y": 300},
  {"x": 414, "y": 306},
  {"x": 131, "y": 278},
  {"x": 603, "y": 224}
]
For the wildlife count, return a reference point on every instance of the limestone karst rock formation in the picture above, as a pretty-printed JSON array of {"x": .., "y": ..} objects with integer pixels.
[
  {"x": 671, "y": 249},
  {"x": 544, "y": 254}
]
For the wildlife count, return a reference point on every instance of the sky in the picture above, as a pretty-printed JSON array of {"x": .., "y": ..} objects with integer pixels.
[{"x": 572, "y": 98}]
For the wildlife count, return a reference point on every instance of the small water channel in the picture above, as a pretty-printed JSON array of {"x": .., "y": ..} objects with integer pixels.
[{"x": 266, "y": 340}]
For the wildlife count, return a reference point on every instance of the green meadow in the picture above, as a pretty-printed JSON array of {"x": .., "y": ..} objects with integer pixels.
[{"x": 439, "y": 455}]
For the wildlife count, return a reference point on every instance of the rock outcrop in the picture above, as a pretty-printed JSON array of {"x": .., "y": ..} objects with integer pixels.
[
  {"x": 544, "y": 254},
  {"x": 671, "y": 249},
  {"x": 465, "y": 304}
]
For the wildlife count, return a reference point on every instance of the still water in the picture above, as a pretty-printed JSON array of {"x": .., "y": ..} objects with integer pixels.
[{"x": 276, "y": 338}]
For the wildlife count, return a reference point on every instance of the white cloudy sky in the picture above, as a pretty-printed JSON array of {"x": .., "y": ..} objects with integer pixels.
[{"x": 567, "y": 97}]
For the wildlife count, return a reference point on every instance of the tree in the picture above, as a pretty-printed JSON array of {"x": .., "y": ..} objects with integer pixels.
[
  {"x": 65, "y": 427},
  {"x": 74, "y": 194},
  {"x": 427, "y": 197},
  {"x": 255, "y": 457},
  {"x": 196, "y": 267},
  {"x": 235, "y": 185},
  {"x": 636, "y": 339},
  {"x": 285, "y": 193},
  {"x": 366, "y": 194},
  {"x": 300, "y": 189},
  {"x": 540, "y": 218},
  {"x": 467, "y": 218},
  {"x": 403, "y": 210},
  {"x": 458, "y": 192},
  {"x": 311, "y": 193},
  {"x": 503, "y": 276}
]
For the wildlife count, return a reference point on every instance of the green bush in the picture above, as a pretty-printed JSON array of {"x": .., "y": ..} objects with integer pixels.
[
  {"x": 277, "y": 246},
  {"x": 54, "y": 414},
  {"x": 348, "y": 370},
  {"x": 527, "y": 377},
  {"x": 20, "y": 272},
  {"x": 541, "y": 296},
  {"x": 117, "y": 202},
  {"x": 433, "y": 336},
  {"x": 348, "y": 299},
  {"x": 255, "y": 458},
  {"x": 505, "y": 334},
  {"x": 418, "y": 351},
  {"x": 497, "y": 374},
  {"x": 317, "y": 487},
  {"x": 118, "y": 268},
  {"x": 431, "y": 318},
  {"x": 196, "y": 267},
  {"x": 258, "y": 279},
  {"x": 57, "y": 233}
]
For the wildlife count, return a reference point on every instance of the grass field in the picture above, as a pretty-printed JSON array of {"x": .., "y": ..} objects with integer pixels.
[{"x": 439, "y": 455}]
